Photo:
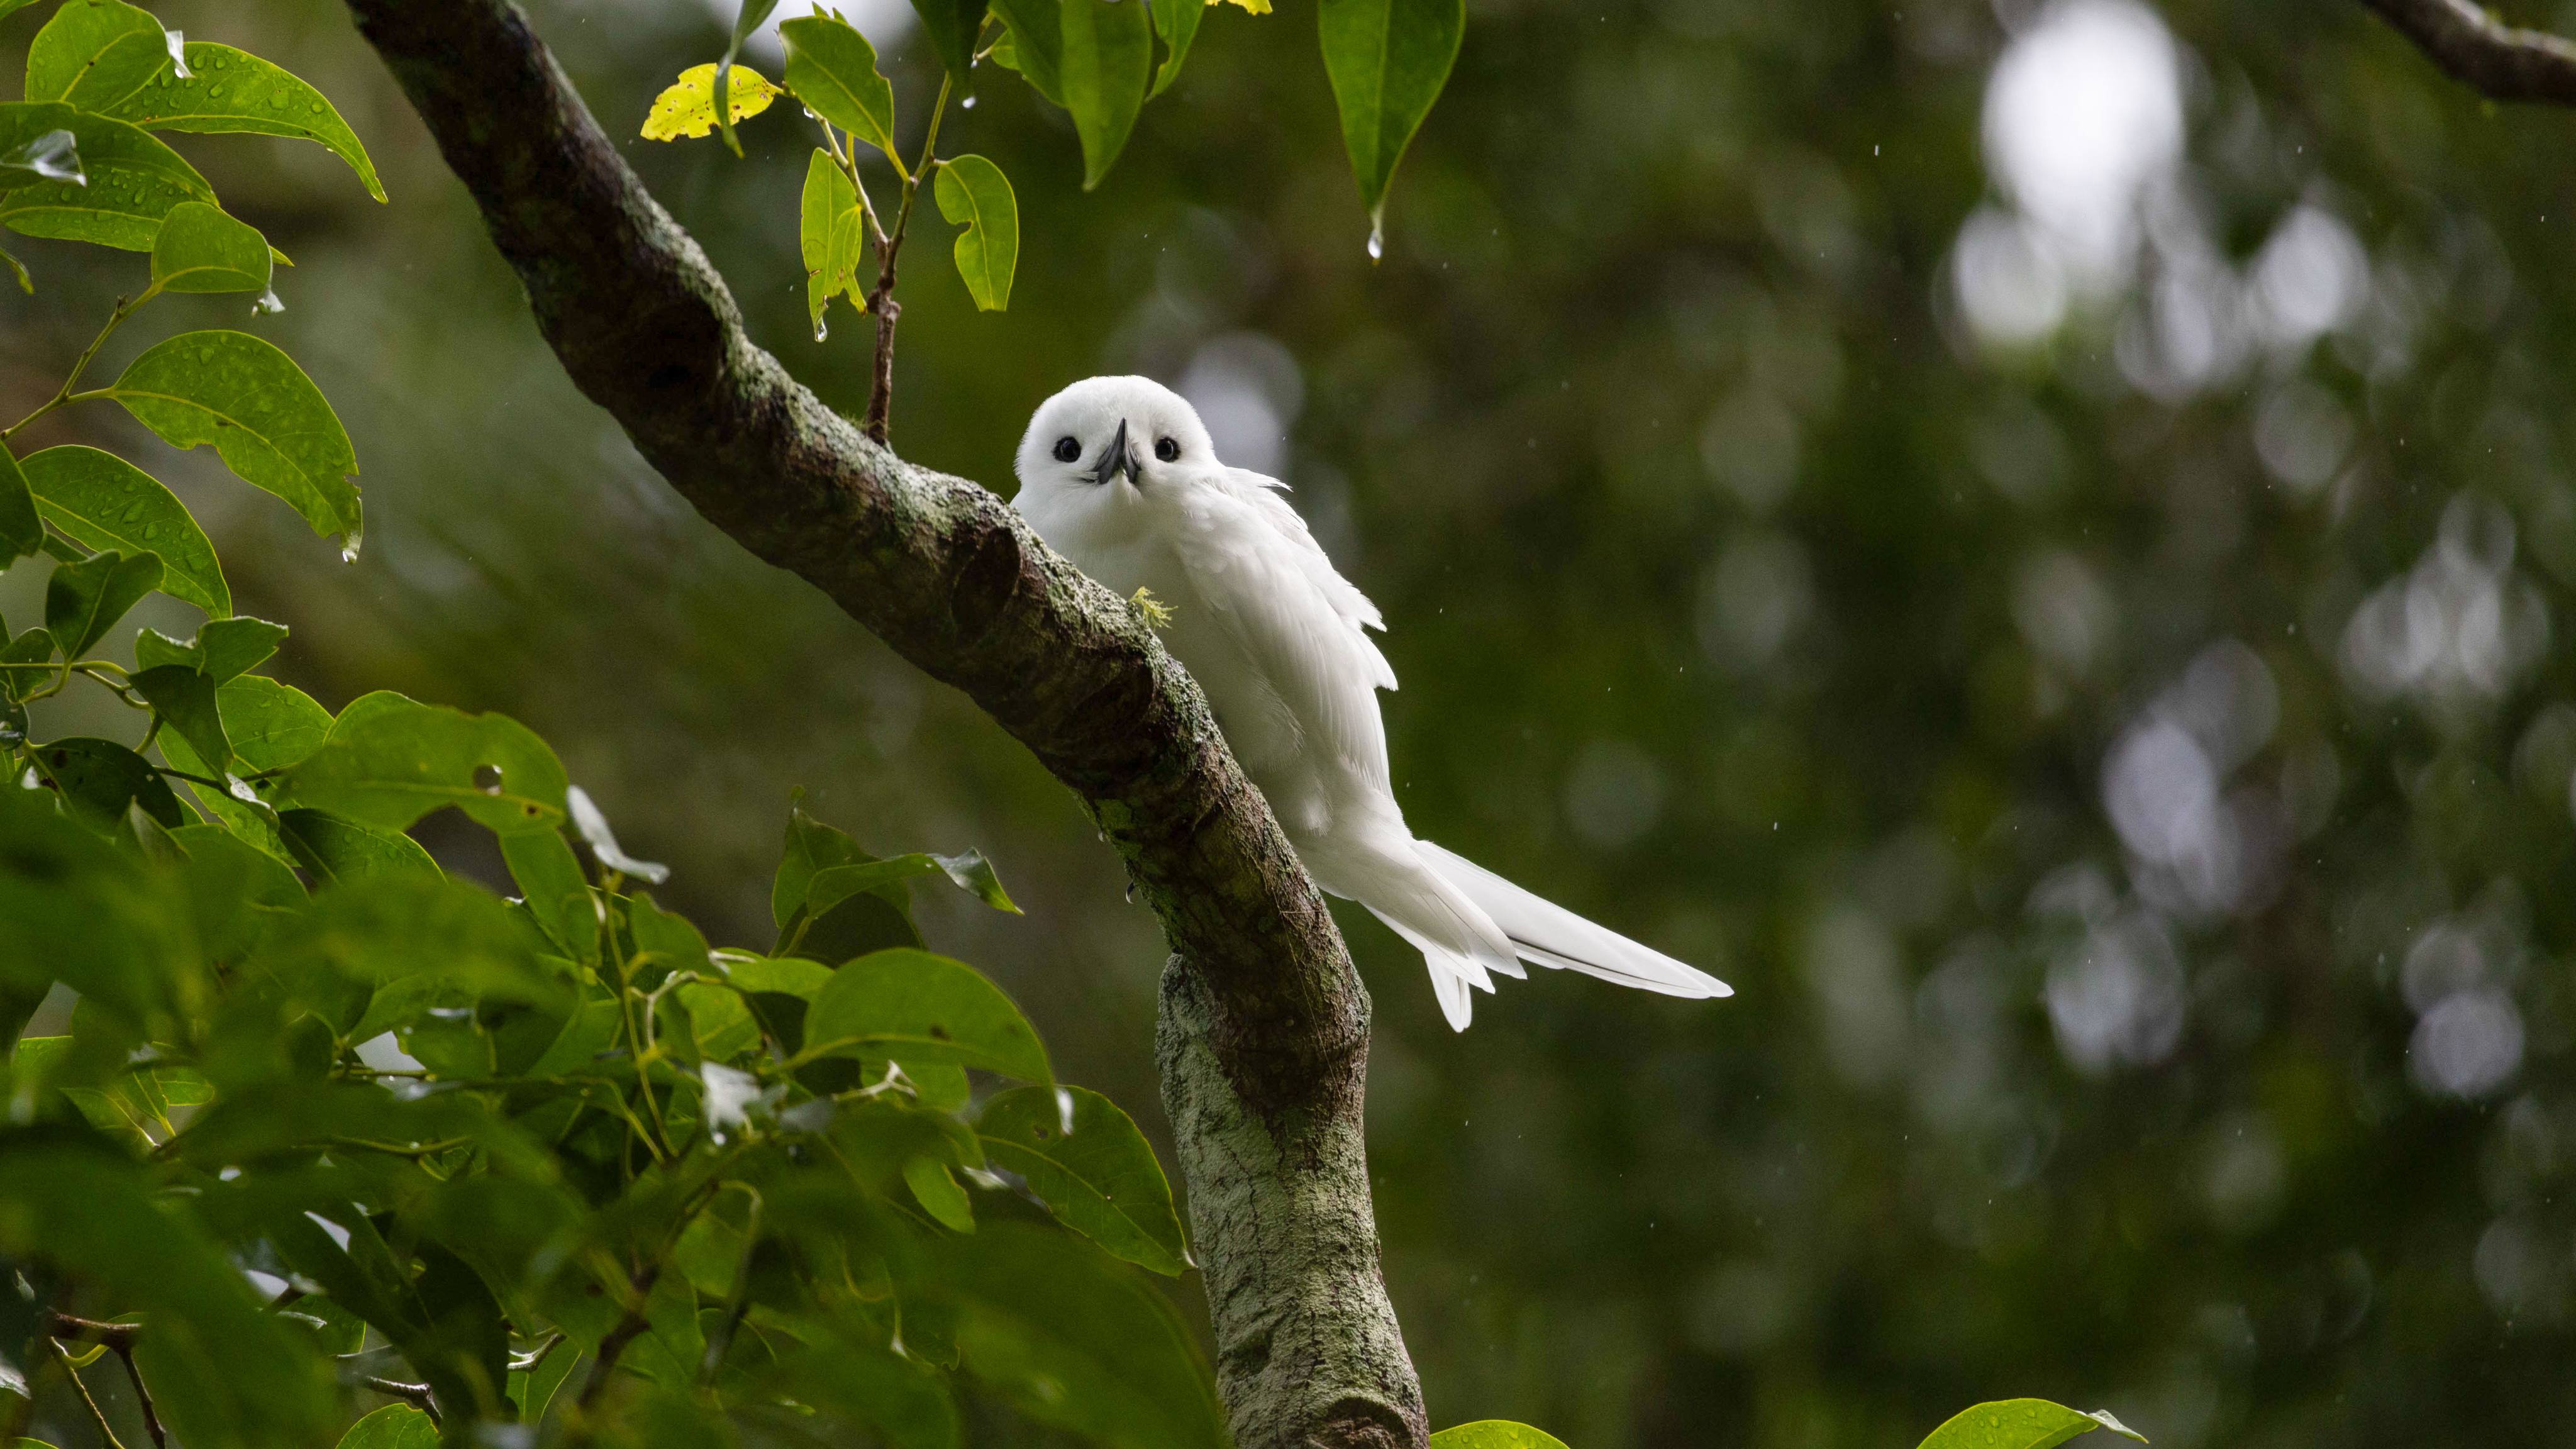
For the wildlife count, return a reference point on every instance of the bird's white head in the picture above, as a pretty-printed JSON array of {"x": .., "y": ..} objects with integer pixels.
[{"x": 1108, "y": 435}]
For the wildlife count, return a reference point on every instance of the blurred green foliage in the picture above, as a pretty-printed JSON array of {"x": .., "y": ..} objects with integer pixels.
[{"x": 2115, "y": 732}]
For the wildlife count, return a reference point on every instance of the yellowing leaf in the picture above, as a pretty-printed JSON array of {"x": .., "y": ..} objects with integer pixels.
[
  {"x": 688, "y": 108},
  {"x": 1251, "y": 7}
]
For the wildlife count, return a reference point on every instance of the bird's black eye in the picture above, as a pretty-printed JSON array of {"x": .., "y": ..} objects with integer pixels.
[
  {"x": 1168, "y": 449},
  {"x": 1066, "y": 450}
]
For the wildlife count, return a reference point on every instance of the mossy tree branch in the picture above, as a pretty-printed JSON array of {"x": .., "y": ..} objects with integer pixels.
[{"x": 1264, "y": 1040}]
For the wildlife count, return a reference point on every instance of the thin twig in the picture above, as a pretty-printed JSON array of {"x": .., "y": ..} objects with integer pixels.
[
  {"x": 118, "y": 1336},
  {"x": 82, "y": 1389},
  {"x": 64, "y": 395},
  {"x": 2502, "y": 62},
  {"x": 881, "y": 300},
  {"x": 627, "y": 1330},
  {"x": 143, "y": 1399},
  {"x": 416, "y": 1395}
]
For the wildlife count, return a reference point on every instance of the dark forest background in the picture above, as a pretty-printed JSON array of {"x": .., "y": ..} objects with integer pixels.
[{"x": 2036, "y": 540}]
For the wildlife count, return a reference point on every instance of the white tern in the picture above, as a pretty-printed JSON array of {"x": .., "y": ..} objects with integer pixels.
[{"x": 1119, "y": 475}]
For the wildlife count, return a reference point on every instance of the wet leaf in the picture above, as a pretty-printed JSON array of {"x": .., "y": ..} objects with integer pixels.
[
  {"x": 333, "y": 849},
  {"x": 833, "y": 69},
  {"x": 1387, "y": 60},
  {"x": 53, "y": 156},
  {"x": 261, "y": 413},
  {"x": 133, "y": 180},
  {"x": 832, "y": 233},
  {"x": 228, "y": 91},
  {"x": 200, "y": 249},
  {"x": 969, "y": 872},
  {"x": 95, "y": 53},
  {"x": 550, "y": 880},
  {"x": 100, "y": 501},
  {"x": 2022, "y": 1424},
  {"x": 952, "y": 26},
  {"x": 271, "y": 725},
  {"x": 973, "y": 192},
  {"x": 1101, "y": 1180},
  {"x": 22, "y": 533}
]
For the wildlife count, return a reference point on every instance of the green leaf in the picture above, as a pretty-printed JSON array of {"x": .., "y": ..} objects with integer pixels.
[
  {"x": 831, "y": 232},
  {"x": 1077, "y": 1341},
  {"x": 903, "y": 1399},
  {"x": 22, "y": 533},
  {"x": 230, "y": 92},
  {"x": 100, "y": 501},
  {"x": 200, "y": 249},
  {"x": 1101, "y": 1180},
  {"x": 133, "y": 180},
  {"x": 1177, "y": 22},
  {"x": 785, "y": 975},
  {"x": 833, "y": 69},
  {"x": 1494, "y": 1434},
  {"x": 95, "y": 53},
  {"x": 973, "y": 192},
  {"x": 52, "y": 156},
  {"x": 969, "y": 872},
  {"x": 72, "y": 909},
  {"x": 272, "y": 725},
  {"x": 261, "y": 413},
  {"x": 939, "y": 1194},
  {"x": 333, "y": 849},
  {"x": 223, "y": 647},
  {"x": 746, "y": 19},
  {"x": 26, "y": 284},
  {"x": 84, "y": 600},
  {"x": 388, "y": 761},
  {"x": 914, "y": 1006},
  {"x": 1387, "y": 60},
  {"x": 952, "y": 26},
  {"x": 1092, "y": 57},
  {"x": 184, "y": 697},
  {"x": 395, "y": 1426},
  {"x": 811, "y": 846},
  {"x": 2022, "y": 1424},
  {"x": 550, "y": 880},
  {"x": 226, "y": 1374},
  {"x": 99, "y": 778}
]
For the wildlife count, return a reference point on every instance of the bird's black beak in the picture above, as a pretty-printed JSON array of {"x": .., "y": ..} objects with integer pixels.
[{"x": 1119, "y": 457}]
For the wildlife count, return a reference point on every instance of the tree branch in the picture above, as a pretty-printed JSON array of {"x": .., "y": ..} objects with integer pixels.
[
  {"x": 2500, "y": 61},
  {"x": 953, "y": 579}
]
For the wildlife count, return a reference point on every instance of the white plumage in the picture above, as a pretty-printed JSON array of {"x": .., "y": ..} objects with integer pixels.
[{"x": 1119, "y": 475}]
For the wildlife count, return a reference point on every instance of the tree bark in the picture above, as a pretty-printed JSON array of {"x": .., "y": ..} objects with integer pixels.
[
  {"x": 2499, "y": 61},
  {"x": 1264, "y": 1037}
]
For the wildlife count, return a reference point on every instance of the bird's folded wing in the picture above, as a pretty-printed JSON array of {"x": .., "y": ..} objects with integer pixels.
[
  {"x": 1263, "y": 495},
  {"x": 1279, "y": 600}
]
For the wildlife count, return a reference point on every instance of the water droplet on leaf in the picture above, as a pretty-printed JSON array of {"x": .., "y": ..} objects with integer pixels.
[
  {"x": 487, "y": 778},
  {"x": 1377, "y": 240},
  {"x": 267, "y": 304}
]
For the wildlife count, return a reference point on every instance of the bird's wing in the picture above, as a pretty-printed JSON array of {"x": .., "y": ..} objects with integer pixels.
[
  {"x": 1265, "y": 495},
  {"x": 1280, "y": 602}
]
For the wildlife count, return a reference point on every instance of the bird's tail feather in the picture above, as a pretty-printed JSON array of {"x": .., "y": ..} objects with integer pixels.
[
  {"x": 1462, "y": 945},
  {"x": 1547, "y": 934}
]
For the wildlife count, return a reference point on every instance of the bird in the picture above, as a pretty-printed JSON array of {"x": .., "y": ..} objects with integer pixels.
[{"x": 1120, "y": 476}]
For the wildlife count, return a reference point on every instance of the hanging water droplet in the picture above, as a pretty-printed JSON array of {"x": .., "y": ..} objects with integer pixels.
[
  {"x": 267, "y": 303},
  {"x": 967, "y": 104},
  {"x": 1131, "y": 893},
  {"x": 1377, "y": 240},
  {"x": 822, "y": 329},
  {"x": 349, "y": 553}
]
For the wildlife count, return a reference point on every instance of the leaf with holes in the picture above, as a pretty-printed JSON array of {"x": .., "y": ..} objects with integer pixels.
[
  {"x": 101, "y": 501},
  {"x": 1176, "y": 23},
  {"x": 99, "y": 778},
  {"x": 1101, "y": 1179},
  {"x": 688, "y": 106},
  {"x": 973, "y": 192},
  {"x": 261, "y": 413},
  {"x": 389, "y": 760}
]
